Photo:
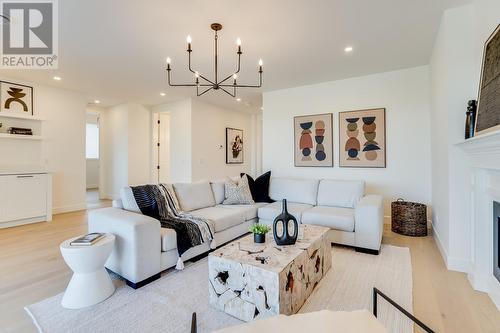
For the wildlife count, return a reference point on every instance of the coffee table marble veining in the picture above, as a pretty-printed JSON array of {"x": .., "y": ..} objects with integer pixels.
[{"x": 252, "y": 281}]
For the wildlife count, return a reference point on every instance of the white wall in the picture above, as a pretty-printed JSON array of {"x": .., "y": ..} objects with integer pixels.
[
  {"x": 197, "y": 130},
  {"x": 139, "y": 141},
  {"x": 125, "y": 148},
  {"x": 455, "y": 71},
  {"x": 209, "y": 124},
  {"x": 62, "y": 151},
  {"x": 404, "y": 94},
  {"x": 92, "y": 164}
]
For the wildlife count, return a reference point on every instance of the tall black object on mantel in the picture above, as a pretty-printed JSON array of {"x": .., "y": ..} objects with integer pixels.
[
  {"x": 284, "y": 218},
  {"x": 470, "y": 118}
]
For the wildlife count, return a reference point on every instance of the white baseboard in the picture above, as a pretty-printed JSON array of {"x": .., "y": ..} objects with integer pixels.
[
  {"x": 69, "y": 208},
  {"x": 107, "y": 196},
  {"x": 452, "y": 263},
  {"x": 440, "y": 246}
]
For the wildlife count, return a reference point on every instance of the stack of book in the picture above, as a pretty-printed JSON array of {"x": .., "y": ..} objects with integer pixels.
[
  {"x": 20, "y": 130},
  {"x": 88, "y": 239}
]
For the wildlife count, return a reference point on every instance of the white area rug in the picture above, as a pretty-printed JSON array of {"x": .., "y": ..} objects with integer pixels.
[{"x": 166, "y": 305}]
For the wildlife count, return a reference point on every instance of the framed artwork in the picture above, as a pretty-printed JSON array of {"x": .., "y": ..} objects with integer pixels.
[
  {"x": 313, "y": 138},
  {"x": 16, "y": 98},
  {"x": 362, "y": 138},
  {"x": 234, "y": 146},
  {"x": 488, "y": 107}
]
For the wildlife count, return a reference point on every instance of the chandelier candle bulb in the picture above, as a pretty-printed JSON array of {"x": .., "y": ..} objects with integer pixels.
[
  {"x": 238, "y": 42},
  {"x": 189, "y": 40}
]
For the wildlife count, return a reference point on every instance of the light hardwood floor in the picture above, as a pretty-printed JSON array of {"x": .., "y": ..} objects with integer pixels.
[{"x": 31, "y": 269}]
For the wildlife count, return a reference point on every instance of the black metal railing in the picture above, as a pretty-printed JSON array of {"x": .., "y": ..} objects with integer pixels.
[{"x": 377, "y": 292}]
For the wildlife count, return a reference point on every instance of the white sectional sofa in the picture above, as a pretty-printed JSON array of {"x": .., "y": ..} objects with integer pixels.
[
  {"x": 143, "y": 250},
  {"x": 354, "y": 219}
]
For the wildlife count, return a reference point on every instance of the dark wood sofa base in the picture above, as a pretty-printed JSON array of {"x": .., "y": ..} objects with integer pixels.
[
  {"x": 137, "y": 285},
  {"x": 367, "y": 251}
]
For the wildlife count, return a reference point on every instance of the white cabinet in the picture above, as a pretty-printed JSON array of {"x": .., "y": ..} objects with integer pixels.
[{"x": 25, "y": 198}]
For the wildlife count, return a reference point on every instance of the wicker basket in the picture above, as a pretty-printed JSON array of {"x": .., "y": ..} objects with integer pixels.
[{"x": 409, "y": 218}]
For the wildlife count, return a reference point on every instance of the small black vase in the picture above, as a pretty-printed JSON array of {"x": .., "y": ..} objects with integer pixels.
[
  {"x": 284, "y": 218},
  {"x": 259, "y": 238}
]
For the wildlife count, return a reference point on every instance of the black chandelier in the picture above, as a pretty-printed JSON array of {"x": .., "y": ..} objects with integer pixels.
[{"x": 206, "y": 85}]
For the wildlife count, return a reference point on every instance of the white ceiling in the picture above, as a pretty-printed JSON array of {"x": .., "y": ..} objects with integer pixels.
[{"x": 115, "y": 50}]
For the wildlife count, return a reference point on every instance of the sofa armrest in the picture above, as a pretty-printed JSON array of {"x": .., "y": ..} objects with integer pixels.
[
  {"x": 369, "y": 222},
  {"x": 137, "y": 251}
]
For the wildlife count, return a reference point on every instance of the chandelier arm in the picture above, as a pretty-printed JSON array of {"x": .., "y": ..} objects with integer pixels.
[
  {"x": 195, "y": 72},
  {"x": 203, "y": 92},
  {"x": 245, "y": 85},
  {"x": 227, "y": 92},
  {"x": 184, "y": 84},
  {"x": 237, "y": 70}
]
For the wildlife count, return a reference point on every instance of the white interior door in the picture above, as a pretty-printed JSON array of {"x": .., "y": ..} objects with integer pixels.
[{"x": 161, "y": 139}]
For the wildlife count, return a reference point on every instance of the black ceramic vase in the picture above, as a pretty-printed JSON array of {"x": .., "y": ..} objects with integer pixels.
[
  {"x": 259, "y": 238},
  {"x": 285, "y": 218}
]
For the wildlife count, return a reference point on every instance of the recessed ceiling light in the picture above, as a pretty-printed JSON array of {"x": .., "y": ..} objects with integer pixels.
[
  {"x": 162, "y": 94},
  {"x": 238, "y": 99},
  {"x": 348, "y": 49},
  {"x": 97, "y": 101},
  {"x": 57, "y": 78}
]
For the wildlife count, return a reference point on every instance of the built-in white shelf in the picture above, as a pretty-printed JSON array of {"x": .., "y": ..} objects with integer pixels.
[
  {"x": 20, "y": 116},
  {"x": 20, "y": 136}
]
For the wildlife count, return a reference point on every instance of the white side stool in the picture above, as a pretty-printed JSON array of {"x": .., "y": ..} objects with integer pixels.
[{"x": 90, "y": 283}]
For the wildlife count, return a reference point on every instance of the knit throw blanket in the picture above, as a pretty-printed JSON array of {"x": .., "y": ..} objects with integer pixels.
[{"x": 159, "y": 202}]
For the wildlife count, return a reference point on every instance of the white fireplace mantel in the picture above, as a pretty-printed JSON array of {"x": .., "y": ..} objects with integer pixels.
[
  {"x": 482, "y": 147},
  {"x": 483, "y": 153}
]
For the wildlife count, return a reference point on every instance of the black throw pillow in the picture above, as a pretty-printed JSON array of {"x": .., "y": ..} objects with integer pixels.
[{"x": 259, "y": 187}]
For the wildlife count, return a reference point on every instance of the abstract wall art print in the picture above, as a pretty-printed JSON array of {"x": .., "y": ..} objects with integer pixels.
[
  {"x": 313, "y": 140},
  {"x": 16, "y": 98},
  {"x": 234, "y": 146},
  {"x": 362, "y": 138},
  {"x": 488, "y": 107}
]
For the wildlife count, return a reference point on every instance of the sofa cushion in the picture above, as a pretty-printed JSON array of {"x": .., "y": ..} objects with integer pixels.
[
  {"x": 332, "y": 217},
  {"x": 340, "y": 193},
  {"x": 259, "y": 187},
  {"x": 128, "y": 200},
  {"x": 192, "y": 196},
  {"x": 270, "y": 211},
  {"x": 223, "y": 218},
  {"x": 168, "y": 239},
  {"x": 218, "y": 190},
  {"x": 250, "y": 211},
  {"x": 294, "y": 190}
]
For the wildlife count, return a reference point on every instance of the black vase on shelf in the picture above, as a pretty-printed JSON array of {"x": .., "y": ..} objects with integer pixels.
[{"x": 285, "y": 218}]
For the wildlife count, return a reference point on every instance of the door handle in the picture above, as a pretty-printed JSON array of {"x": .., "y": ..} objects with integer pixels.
[{"x": 24, "y": 176}]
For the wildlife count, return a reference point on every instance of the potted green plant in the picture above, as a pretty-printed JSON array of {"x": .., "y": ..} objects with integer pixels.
[{"x": 259, "y": 232}]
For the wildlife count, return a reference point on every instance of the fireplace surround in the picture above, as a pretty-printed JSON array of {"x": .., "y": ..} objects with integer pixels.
[
  {"x": 496, "y": 236},
  {"x": 483, "y": 163}
]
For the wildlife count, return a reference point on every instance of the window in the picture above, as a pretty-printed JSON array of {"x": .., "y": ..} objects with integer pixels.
[{"x": 92, "y": 148}]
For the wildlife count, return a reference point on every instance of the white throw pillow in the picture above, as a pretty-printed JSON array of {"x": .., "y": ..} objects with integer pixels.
[
  {"x": 128, "y": 200},
  {"x": 238, "y": 193}
]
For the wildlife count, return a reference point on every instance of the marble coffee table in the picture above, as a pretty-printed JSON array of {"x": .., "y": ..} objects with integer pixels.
[{"x": 252, "y": 281}]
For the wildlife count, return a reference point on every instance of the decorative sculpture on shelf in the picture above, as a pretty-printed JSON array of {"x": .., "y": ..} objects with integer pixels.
[
  {"x": 285, "y": 218},
  {"x": 470, "y": 119}
]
